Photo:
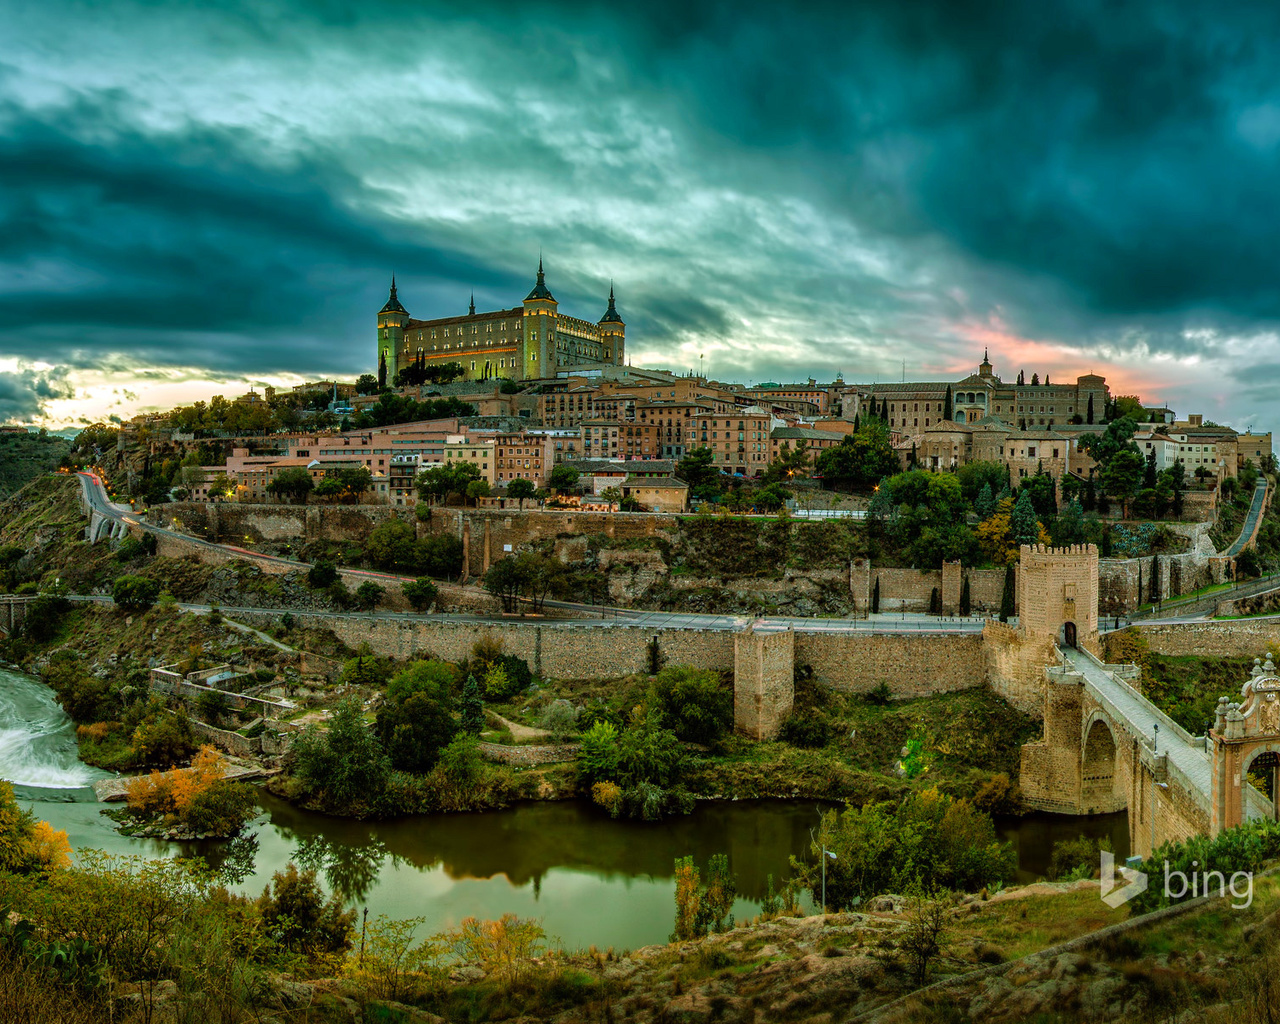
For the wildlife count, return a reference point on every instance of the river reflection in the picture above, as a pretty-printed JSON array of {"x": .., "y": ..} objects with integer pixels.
[{"x": 589, "y": 879}]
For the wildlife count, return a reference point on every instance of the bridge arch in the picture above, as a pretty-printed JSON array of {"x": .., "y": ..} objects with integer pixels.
[
  {"x": 1262, "y": 763},
  {"x": 1098, "y": 766}
]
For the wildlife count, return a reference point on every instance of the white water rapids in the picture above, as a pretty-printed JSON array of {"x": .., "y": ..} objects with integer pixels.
[{"x": 37, "y": 739}]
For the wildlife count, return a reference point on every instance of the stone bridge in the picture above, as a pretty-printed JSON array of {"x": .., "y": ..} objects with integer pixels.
[
  {"x": 1107, "y": 748},
  {"x": 13, "y": 611}
]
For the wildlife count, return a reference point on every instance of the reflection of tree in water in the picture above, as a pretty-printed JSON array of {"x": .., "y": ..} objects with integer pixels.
[
  {"x": 238, "y": 859},
  {"x": 349, "y": 869}
]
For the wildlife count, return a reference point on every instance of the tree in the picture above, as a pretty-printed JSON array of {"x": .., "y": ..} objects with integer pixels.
[
  {"x": 451, "y": 478},
  {"x": 985, "y": 506},
  {"x": 1069, "y": 528},
  {"x": 1121, "y": 476},
  {"x": 947, "y": 408},
  {"x": 1089, "y": 416},
  {"x": 392, "y": 546},
  {"x": 416, "y": 722},
  {"x": 1149, "y": 470},
  {"x": 367, "y": 384},
  {"x": 1022, "y": 523},
  {"x": 322, "y": 575},
  {"x": 134, "y": 593},
  {"x": 693, "y": 704},
  {"x": 505, "y": 580},
  {"x": 478, "y": 489},
  {"x": 964, "y": 598},
  {"x": 699, "y": 471},
  {"x": 421, "y": 594},
  {"x": 221, "y": 486},
  {"x": 368, "y": 594},
  {"x": 861, "y": 460},
  {"x": 472, "y": 707},
  {"x": 1007, "y": 610},
  {"x": 520, "y": 489},
  {"x": 875, "y": 598},
  {"x": 563, "y": 477},
  {"x": 613, "y": 495},
  {"x": 345, "y": 763},
  {"x": 926, "y": 922},
  {"x": 1155, "y": 579},
  {"x": 294, "y": 484}
]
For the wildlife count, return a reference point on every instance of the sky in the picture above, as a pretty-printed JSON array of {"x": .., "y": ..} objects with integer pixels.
[{"x": 197, "y": 198}]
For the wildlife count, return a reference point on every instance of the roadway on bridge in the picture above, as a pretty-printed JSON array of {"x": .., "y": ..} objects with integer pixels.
[
  {"x": 1251, "y": 520},
  {"x": 1140, "y": 715}
]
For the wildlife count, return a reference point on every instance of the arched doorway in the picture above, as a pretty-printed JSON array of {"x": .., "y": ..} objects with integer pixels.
[
  {"x": 1262, "y": 772},
  {"x": 1098, "y": 772},
  {"x": 1069, "y": 634}
]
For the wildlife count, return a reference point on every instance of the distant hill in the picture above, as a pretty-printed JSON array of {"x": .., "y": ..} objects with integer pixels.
[{"x": 23, "y": 457}]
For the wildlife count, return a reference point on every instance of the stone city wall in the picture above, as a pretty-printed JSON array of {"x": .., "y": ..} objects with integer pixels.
[
  {"x": 230, "y": 522},
  {"x": 1244, "y": 638},
  {"x": 910, "y": 664}
]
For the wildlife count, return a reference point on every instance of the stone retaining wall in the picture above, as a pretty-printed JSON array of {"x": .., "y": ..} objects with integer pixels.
[{"x": 527, "y": 756}]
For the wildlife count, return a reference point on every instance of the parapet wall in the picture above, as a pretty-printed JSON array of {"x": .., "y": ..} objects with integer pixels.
[{"x": 1244, "y": 638}]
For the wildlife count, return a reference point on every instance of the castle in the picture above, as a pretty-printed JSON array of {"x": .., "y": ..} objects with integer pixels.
[{"x": 529, "y": 341}]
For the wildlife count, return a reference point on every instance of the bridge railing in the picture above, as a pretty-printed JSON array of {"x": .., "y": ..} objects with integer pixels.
[{"x": 1168, "y": 727}]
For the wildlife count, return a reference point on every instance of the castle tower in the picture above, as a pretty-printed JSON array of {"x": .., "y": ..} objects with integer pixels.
[
  {"x": 984, "y": 367},
  {"x": 392, "y": 320},
  {"x": 540, "y": 312},
  {"x": 1058, "y": 594},
  {"x": 613, "y": 334}
]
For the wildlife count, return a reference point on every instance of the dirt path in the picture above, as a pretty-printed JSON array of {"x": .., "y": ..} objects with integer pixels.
[{"x": 518, "y": 731}]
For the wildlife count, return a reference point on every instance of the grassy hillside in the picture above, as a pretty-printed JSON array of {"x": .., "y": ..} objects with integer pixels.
[{"x": 23, "y": 457}]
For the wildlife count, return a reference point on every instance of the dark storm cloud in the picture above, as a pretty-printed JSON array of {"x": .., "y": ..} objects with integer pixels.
[
  {"x": 833, "y": 187},
  {"x": 24, "y": 392}
]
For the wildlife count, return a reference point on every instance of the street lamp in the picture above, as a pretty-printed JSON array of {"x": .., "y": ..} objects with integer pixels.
[{"x": 825, "y": 854}]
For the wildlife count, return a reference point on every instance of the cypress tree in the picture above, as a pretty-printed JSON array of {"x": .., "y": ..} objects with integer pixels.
[
  {"x": 964, "y": 598},
  {"x": 875, "y": 598},
  {"x": 382, "y": 371},
  {"x": 985, "y": 506},
  {"x": 1153, "y": 584},
  {"x": 472, "y": 707},
  {"x": 1007, "y": 609},
  {"x": 1023, "y": 523},
  {"x": 1089, "y": 417},
  {"x": 1149, "y": 471},
  {"x": 947, "y": 407},
  {"x": 857, "y": 423}
]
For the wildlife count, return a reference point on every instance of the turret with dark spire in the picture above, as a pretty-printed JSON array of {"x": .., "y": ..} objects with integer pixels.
[
  {"x": 472, "y": 311},
  {"x": 393, "y": 303},
  {"x": 393, "y": 318},
  {"x": 611, "y": 314},
  {"x": 613, "y": 333},
  {"x": 540, "y": 290}
]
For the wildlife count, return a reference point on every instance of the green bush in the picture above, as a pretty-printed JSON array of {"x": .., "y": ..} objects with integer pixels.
[
  {"x": 135, "y": 593},
  {"x": 693, "y": 703},
  {"x": 421, "y": 594},
  {"x": 1076, "y": 858},
  {"x": 1244, "y": 848},
  {"x": 322, "y": 575},
  {"x": 163, "y": 740},
  {"x": 44, "y": 618},
  {"x": 598, "y": 754},
  {"x": 928, "y": 839},
  {"x": 368, "y": 594},
  {"x": 294, "y": 909},
  {"x": 346, "y": 763},
  {"x": 805, "y": 731},
  {"x": 128, "y": 549}
]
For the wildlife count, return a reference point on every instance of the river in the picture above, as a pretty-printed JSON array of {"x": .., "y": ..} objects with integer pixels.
[{"x": 589, "y": 879}]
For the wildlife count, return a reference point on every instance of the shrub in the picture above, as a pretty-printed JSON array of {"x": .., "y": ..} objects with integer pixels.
[
  {"x": 598, "y": 754},
  {"x": 498, "y": 685},
  {"x": 128, "y": 549},
  {"x": 421, "y": 594},
  {"x": 44, "y": 617},
  {"x": 345, "y": 763},
  {"x": 461, "y": 764},
  {"x": 214, "y": 706},
  {"x": 471, "y": 717},
  {"x": 560, "y": 719},
  {"x": 322, "y": 575},
  {"x": 368, "y": 594},
  {"x": 609, "y": 796},
  {"x": 163, "y": 739},
  {"x": 1076, "y": 858},
  {"x": 703, "y": 907},
  {"x": 503, "y": 949},
  {"x": 296, "y": 913},
  {"x": 805, "y": 731},
  {"x": 693, "y": 703},
  {"x": 135, "y": 593},
  {"x": 879, "y": 695},
  {"x": 417, "y": 722}
]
